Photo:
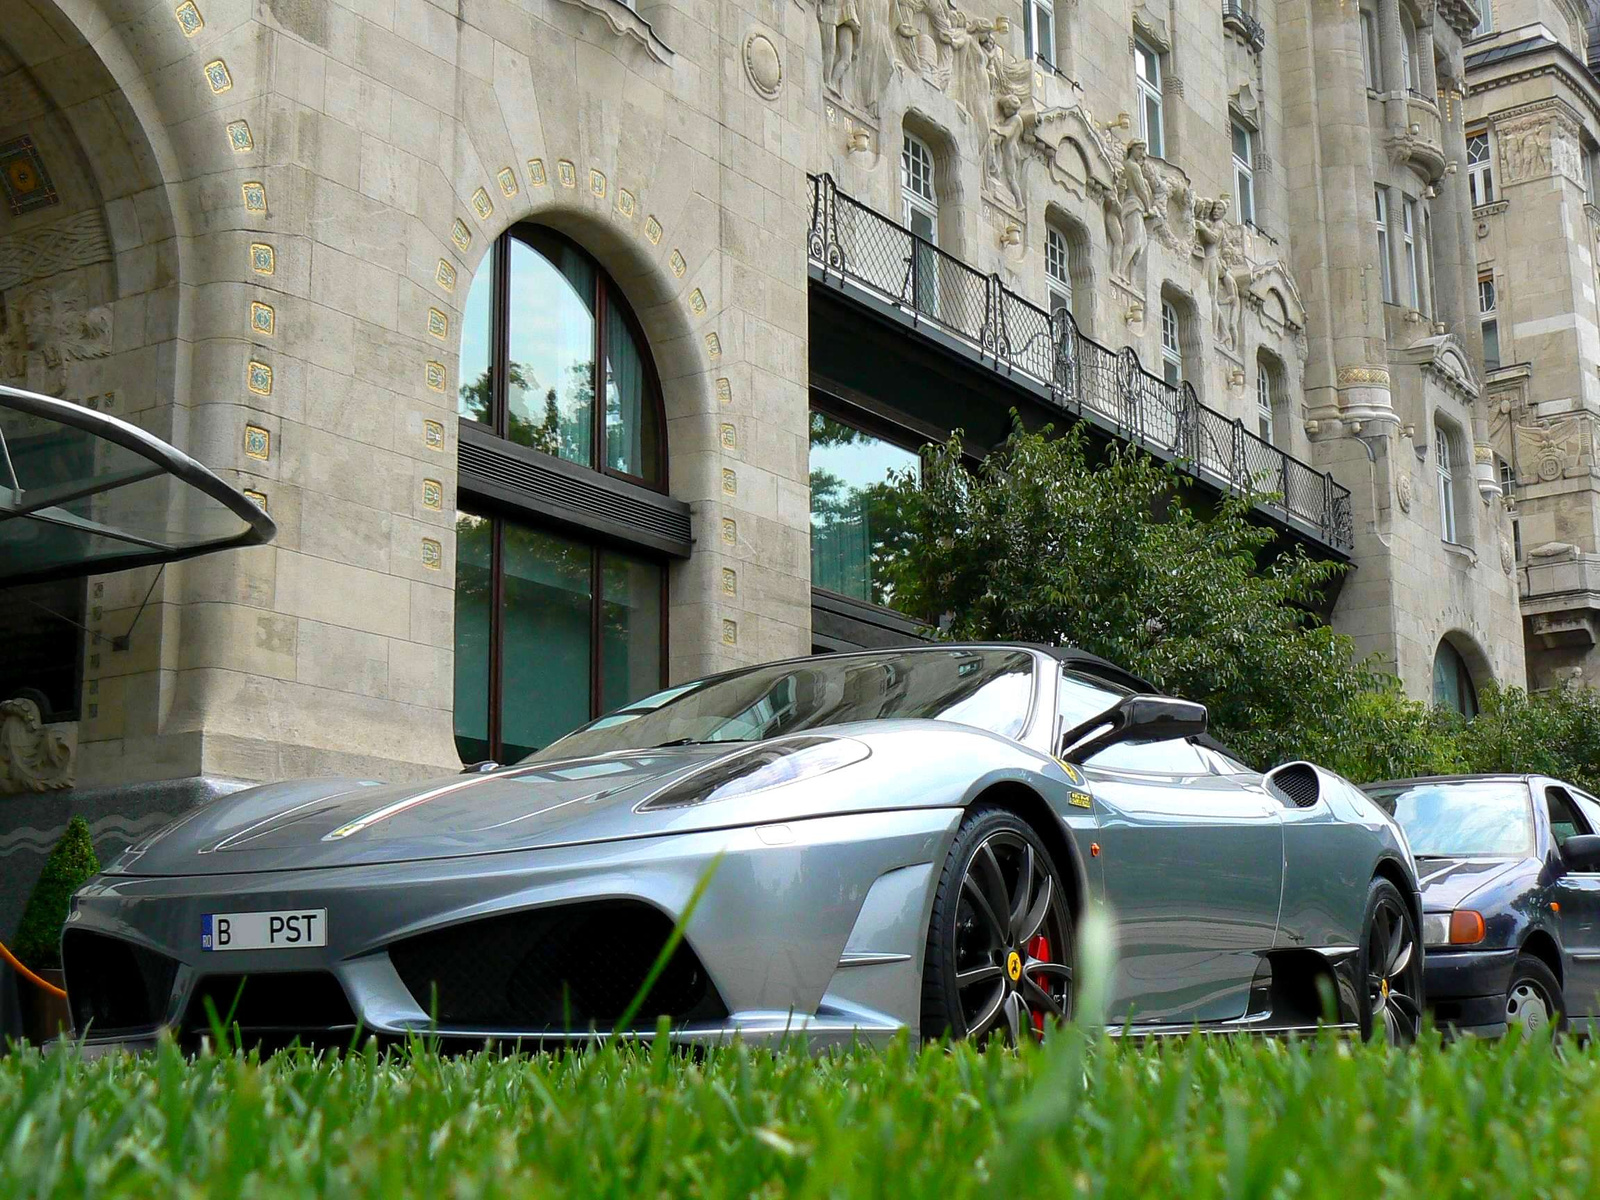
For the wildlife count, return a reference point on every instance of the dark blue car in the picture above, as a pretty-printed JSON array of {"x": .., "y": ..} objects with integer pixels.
[{"x": 1510, "y": 872}]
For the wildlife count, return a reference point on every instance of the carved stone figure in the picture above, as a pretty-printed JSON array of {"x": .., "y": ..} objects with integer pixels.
[
  {"x": 1548, "y": 448},
  {"x": 1525, "y": 149},
  {"x": 841, "y": 39},
  {"x": 1135, "y": 206},
  {"x": 1005, "y": 148},
  {"x": 49, "y": 327},
  {"x": 1211, "y": 234},
  {"x": 33, "y": 756},
  {"x": 925, "y": 38}
]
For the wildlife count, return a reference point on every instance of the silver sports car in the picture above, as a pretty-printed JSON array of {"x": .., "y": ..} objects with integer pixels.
[{"x": 840, "y": 846}]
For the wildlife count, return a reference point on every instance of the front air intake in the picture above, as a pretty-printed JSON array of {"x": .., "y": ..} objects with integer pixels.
[
  {"x": 1296, "y": 784},
  {"x": 114, "y": 986},
  {"x": 567, "y": 968},
  {"x": 289, "y": 1002}
]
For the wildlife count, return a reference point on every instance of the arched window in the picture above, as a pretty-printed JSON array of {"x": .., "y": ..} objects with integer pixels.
[
  {"x": 1171, "y": 344},
  {"x": 1269, "y": 394},
  {"x": 552, "y": 627},
  {"x": 1452, "y": 681}
]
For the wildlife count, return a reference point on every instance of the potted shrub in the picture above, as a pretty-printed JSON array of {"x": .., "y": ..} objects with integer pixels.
[{"x": 70, "y": 865}]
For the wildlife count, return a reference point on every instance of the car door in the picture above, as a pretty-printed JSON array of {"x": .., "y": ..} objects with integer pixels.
[
  {"x": 1578, "y": 894},
  {"x": 1192, "y": 863}
]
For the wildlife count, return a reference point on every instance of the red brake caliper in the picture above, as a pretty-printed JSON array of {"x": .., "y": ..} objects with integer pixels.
[{"x": 1039, "y": 949}]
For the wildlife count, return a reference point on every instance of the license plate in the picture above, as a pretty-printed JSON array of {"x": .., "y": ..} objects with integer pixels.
[{"x": 295, "y": 929}]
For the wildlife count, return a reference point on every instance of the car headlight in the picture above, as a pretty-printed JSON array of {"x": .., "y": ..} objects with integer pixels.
[
  {"x": 763, "y": 766},
  {"x": 1463, "y": 927}
]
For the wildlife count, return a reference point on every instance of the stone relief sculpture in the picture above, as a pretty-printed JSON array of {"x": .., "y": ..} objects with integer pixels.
[
  {"x": 1127, "y": 213},
  {"x": 46, "y": 329},
  {"x": 841, "y": 39},
  {"x": 1212, "y": 231},
  {"x": 1524, "y": 149},
  {"x": 1549, "y": 448},
  {"x": 34, "y": 757}
]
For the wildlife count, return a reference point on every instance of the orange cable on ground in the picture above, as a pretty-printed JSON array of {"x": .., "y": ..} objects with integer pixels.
[{"x": 16, "y": 965}]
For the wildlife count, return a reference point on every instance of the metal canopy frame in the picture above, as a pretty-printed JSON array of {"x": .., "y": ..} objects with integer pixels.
[{"x": 44, "y": 504}]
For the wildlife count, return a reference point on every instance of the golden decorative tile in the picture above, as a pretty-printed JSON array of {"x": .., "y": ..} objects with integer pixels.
[
  {"x": 445, "y": 275},
  {"x": 507, "y": 178},
  {"x": 729, "y": 436},
  {"x": 625, "y": 202},
  {"x": 257, "y": 442},
  {"x": 461, "y": 236},
  {"x": 259, "y": 499},
  {"x": 730, "y": 633},
  {"x": 697, "y": 303},
  {"x": 239, "y": 137},
  {"x": 217, "y": 77},
  {"x": 262, "y": 319},
  {"x": 730, "y": 531},
  {"x": 433, "y": 494},
  {"x": 597, "y": 183},
  {"x": 730, "y": 482},
  {"x": 536, "y": 175},
  {"x": 567, "y": 173},
  {"x": 259, "y": 378},
  {"x": 652, "y": 231},
  {"x": 432, "y": 554},
  {"x": 713, "y": 345},
  {"x": 677, "y": 264},
  {"x": 435, "y": 375},
  {"x": 438, "y": 323},
  {"x": 724, "y": 392},
  {"x": 255, "y": 195},
  {"x": 433, "y": 435},
  {"x": 262, "y": 259},
  {"x": 189, "y": 18},
  {"x": 730, "y": 582},
  {"x": 482, "y": 205}
]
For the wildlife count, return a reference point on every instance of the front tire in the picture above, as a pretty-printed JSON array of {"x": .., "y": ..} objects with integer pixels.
[
  {"x": 1534, "y": 1001},
  {"x": 999, "y": 954},
  {"x": 1389, "y": 968}
]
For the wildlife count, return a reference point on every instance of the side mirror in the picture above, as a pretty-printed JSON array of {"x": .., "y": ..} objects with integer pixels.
[
  {"x": 480, "y": 768},
  {"x": 1581, "y": 852},
  {"x": 1135, "y": 719}
]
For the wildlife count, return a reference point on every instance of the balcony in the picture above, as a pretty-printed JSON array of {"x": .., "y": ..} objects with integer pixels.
[
  {"x": 885, "y": 266},
  {"x": 1423, "y": 141},
  {"x": 1242, "y": 23}
]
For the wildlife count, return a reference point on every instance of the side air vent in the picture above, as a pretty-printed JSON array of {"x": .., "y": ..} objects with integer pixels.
[
  {"x": 567, "y": 968},
  {"x": 114, "y": 986},
  {"x": 1296, "y": 784}
]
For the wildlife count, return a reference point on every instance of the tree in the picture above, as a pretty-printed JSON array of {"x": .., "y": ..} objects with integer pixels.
[{"x": 71, "y": 865}]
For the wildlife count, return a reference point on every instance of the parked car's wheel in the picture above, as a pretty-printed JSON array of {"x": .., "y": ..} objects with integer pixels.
[
  {"x": 1534, "y": 1001},
  {"x": 999, "y": 953},
  {"x": 1390, "y": 967}
]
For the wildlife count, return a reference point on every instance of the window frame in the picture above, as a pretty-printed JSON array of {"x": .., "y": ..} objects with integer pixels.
[
  {"x": 1058, "y": 268},
  {"x": 1030, "y": 31},
  {"x": 1409, "y": 223},
  {"x": 1480, "y": 173},
  {"x": 1244, "y": 170},
  {"x": 1485, "y": 25},
  {"x": 1371, "y": 49},
  {"x": 1385, "y": 267},
  {"x": 499, "y": 516},
  {"x": 1445, "y": 469},
  {"x": 1489, "y": 318},
  {"x": 1266, "y": 408},
  {"x": 1151, "y": 95},
  {"x": 1171, "y": 351},
  {"x": 499, "y": 262},
  {"x": 912, "y": 199}
]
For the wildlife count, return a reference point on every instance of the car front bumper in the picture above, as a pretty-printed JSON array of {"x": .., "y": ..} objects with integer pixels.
[
  {"x": 1466, "y": 989},
  {"x": 811, "y": 927}
]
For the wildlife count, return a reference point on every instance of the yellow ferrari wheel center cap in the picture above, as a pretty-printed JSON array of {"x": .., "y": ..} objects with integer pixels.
[
  {"x": 1383, "y": 989},
  {"x": 1014, "y": 966}
]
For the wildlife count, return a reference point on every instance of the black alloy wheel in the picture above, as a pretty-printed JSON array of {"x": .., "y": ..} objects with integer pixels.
[
  {"x": 999, "y": 953},
  {"x": 1390, "y": 968}
]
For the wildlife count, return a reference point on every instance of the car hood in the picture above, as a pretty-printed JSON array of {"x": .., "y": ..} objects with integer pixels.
[
  {"x": 1448, "y": 882},
  {"x": 347, "y": 822}
]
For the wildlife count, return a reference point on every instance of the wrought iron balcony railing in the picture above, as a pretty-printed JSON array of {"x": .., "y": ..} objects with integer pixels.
[
  {"x": 1234, "y": 13},
  {"x": 855, "y": 243}
]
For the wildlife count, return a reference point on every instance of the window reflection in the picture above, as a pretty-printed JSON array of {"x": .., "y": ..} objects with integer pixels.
[
  {"x": 474, "y": 598},
  {"x": 855, "y": 523},
  {"x": 545, "y": 643},
  {"x": 475, "y": 399},
  {"x": 550, "y": 369}
]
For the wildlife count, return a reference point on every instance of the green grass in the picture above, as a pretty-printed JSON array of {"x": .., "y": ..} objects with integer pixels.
[{"x": 1195, "y": 1118}]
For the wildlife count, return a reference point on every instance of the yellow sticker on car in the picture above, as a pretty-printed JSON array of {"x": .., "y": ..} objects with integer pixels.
[{"x": 1080, "y": 800}]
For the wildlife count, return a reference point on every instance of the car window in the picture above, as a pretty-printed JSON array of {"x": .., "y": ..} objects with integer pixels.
[
  {"x": 1564, "y": 819},
  {"x": 1084, "y": 697},
  {"x": 1589, "y": 807}
]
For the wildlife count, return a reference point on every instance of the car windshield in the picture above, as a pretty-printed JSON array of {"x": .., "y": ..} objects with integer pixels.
[
  {"x": 989, "y": 689},
  {"x": 1484, "y": 818}
]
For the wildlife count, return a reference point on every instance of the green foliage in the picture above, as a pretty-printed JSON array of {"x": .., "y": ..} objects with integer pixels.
[
  {"x": 70, "y": 865},
  {"x": 1044, "y": 543},
  {"x": 1196, "y": 1117}
]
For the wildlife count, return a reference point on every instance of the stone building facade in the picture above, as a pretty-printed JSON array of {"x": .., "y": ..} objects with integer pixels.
[
  {"x": 533, "y": 322},
  {"x": 1534, "y": 130}
]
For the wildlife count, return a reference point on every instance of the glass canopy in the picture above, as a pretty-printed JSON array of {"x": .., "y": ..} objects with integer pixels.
[{"x": 82, "y": 493}]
